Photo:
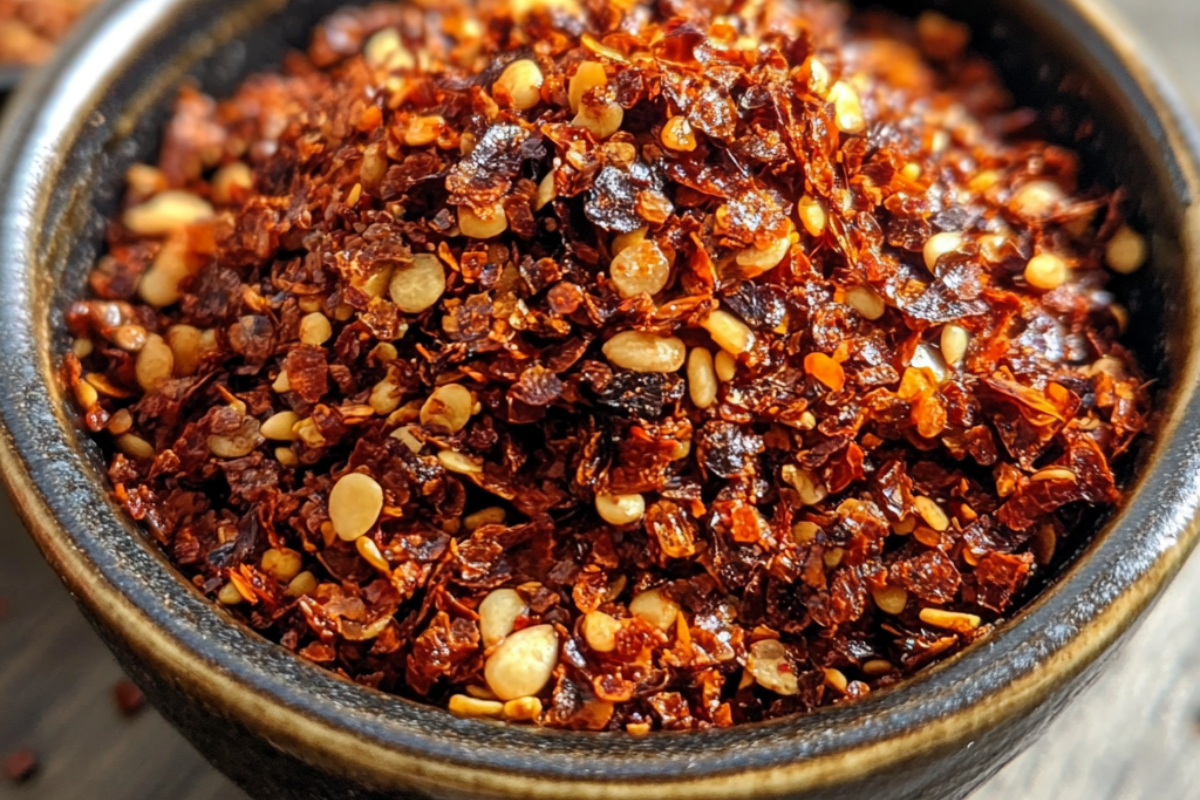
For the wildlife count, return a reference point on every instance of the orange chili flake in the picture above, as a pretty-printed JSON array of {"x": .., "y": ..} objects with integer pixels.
[{"x": 826, "y": 370}]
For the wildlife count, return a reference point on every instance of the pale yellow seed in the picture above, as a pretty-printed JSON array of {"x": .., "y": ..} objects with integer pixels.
[
  {"x": 373, "y": 169},
  {"x": 135, "y": 446},
  {"x": 239, "y": 443},
  {"x": 812, "y": 215},
  {"x": 810, "y": 487},
  {"x": 866, "y": 302},
  {"x": 640, "y": 268},
  {"x": 1053, "y": 474},
  {"x": 546, "y": 191},
  {"x": 371, "y": 554},
  {"x": 589, "y": 75},
  {"x": 302, "y": 584},
  {"x": 385, "y": 50},
  {"x": 522, "y": 82},
  {"x": 315, "y": 329},
  {"x": 410, "y": 441},
  {"x": 911, "y": 171},
  {"x": 448, "y": 408},
  {"x": 522, "y": 664},
  {"x": 229, "y": 595},
  {"x": 1038, "y": 199},
  {"x": 805, "y": 531},
  {"x": 677, "y": 134},
  {"x": 286, "y": 457},
  {"x": 230, "y": 181},
  {"x": 767, "y": 661},
  {"x": 493, "y": 515},
  {"x": 184, "y": 341},
  {"x": 932, "y": 513},
  {"x": 930, "y": 358},
  {"x": 280, "y": 427},
  {"x": 941, "y": 244},
  {"x": 890, "y": 599},
  {"x": 953, "y": 620},
  {"x": 385, "y": 397},
  {"x": 354, "y": 505},
  {"x": 166, "y": 213},
  {"x": 876, "y": 667},
  {"x": 656, "y": 608},
  {"x": 155, "y": 363},
  {"x": 730, "y": 333},
  {"x": 459, "y": 463},
  {"x": 130, "y": 338},
  {"x": 281, "y": 383},
  {"x": 283, "y": 564},
  {"x": 620, "y": 509},
  {"x": 306, "y": 431},
  {"x": 462, "y": 705},
  {"x": 1045, "y": 542},
  {"x": 482, "y": 692},
  {"x": 954, "y": 342},
  {"x": 833, "y": 557},
  {"x": 523, "y": 709},
  {"x": 601, "y": 120},
  {"x": 1126, "y": 252},
  {"x": 419, "y": 284},
  {"x": 423, "y": 131},
  {"x": 600, "y": 631},
  {"x": 756, "y": 261},
  {"x": 82, "y": 348},
  {"x": 847, "y": 107},
  {"x": 1046, "y": 271},
  {"x": 819, "y": 79},
  {"x": 475, "y": 226},
  {"x": 702, "y": 378},
  {"x": 725, "y": 366},
  {"x": 836, "y": 679},
  {"x": 905, "y": 526},
  {"x": 144, "y": 180},
  {"x": 645, "y": 352},
  {"x": 159, "y": 285},
  {"x": 498, "y": 615}
]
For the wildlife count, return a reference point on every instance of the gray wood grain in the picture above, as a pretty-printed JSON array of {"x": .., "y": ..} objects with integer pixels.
[{"x": 1134, "y": 734}]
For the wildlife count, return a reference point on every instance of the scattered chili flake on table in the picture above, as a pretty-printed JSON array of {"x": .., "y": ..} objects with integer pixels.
[
  {"x": 637, "y": 368},
  {"x": 29, "y": 29},
  {"x": 21, "y": 765},
  {"x": 128, "y": 697}
]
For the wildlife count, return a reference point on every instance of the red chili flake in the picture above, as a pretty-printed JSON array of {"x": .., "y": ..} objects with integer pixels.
[
  {"x": 573, "y": 378},
  {"x": 128, "y": 697},
  {"x": 21, "y": 765}
]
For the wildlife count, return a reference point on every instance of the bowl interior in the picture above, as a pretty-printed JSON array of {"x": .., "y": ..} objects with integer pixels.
[{"x": 83, "y": 122}]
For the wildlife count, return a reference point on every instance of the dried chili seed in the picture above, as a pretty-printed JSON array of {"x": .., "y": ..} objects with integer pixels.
[{"x": 613, "y": 382}]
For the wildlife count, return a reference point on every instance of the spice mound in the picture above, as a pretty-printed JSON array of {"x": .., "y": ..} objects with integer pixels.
[
  {"x": 29, "y": 29},
  {"x": 622, "y": 368}
]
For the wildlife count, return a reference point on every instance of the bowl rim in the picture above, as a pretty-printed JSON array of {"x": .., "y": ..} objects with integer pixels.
[{"x": 350, "y": 730}]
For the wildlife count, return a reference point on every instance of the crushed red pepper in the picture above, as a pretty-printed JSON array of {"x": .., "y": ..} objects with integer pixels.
[{"x": 636, "y": 367}]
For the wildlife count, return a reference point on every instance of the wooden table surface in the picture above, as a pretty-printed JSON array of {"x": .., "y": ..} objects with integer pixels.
[{"x": 1134, "y": 734}]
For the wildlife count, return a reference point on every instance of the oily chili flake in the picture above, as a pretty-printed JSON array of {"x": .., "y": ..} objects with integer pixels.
[{"x": 613, "y": 369}]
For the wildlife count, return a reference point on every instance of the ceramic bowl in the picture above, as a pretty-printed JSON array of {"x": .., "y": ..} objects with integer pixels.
[{"x": 285, "y": 728}]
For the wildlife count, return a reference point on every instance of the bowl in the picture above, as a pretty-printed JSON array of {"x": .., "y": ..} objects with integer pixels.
[{"x": 284, "y": 728}]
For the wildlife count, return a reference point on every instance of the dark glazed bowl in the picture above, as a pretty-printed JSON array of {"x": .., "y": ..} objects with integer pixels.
[{"x": 284, "y": 728}]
